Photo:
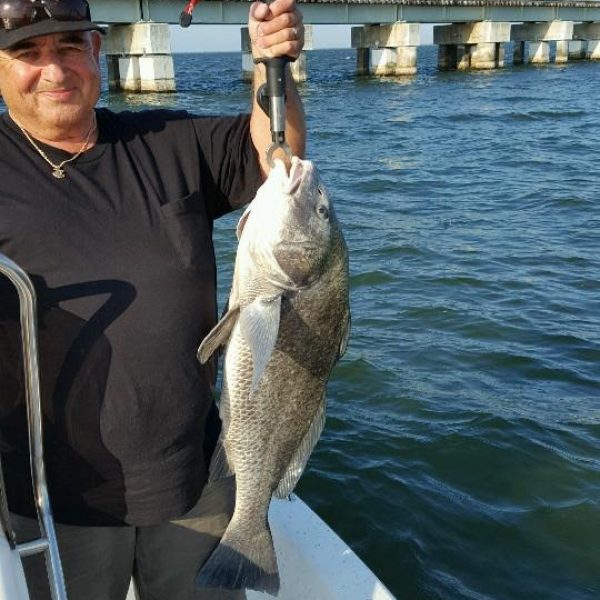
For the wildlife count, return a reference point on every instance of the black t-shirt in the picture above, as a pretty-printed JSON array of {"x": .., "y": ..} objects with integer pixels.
[{"x": 121, "y": 255}]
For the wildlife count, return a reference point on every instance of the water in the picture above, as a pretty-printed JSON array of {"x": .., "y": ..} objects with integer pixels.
[{"x": 461, "y": 458}]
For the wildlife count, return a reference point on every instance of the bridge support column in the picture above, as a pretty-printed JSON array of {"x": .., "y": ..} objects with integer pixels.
[
  {"x": 593, "y": 52},
  {"x": 539, "y": 53},
  {"x": 447, "y": 57},
  {"x": 562, "y": 51},
  {"x": 578, "y": 50},
  {"x": 466, "y": 46},
  {"x": 386, "y": 50},
  {"x": 487, "y": 56},
  {"x": 114, "y": 79},
  {"x": 139, "y": 58},
  {"x": 298, "y": 67},
  {"x": 539, "y": 35},
  {"x": 520, "y": 53},
  {"x": 588, "y": 34},
  {"x": 363, "y": 61},
  {"x": 453, "y": 57}
]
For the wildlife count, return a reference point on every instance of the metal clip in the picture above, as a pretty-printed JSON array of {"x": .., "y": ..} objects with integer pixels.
[{"x": 276, "y": 146}]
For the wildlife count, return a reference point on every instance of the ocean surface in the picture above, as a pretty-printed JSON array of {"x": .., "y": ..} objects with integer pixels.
[{"x": 461, "y": 457}]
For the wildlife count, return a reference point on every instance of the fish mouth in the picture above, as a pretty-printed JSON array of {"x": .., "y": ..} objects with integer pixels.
[{"x": 298, "y": 171}]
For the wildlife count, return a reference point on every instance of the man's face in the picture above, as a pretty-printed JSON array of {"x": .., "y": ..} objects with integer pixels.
[{"x": 51, "y": 83}]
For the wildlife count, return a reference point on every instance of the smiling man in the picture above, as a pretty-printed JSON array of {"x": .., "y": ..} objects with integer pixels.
[
  {"x": 112, "y": 215},
  {"x": 52, "y": 84}
]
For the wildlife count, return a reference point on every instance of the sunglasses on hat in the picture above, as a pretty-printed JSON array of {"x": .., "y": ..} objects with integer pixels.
[{"x": 19, "y": 13}]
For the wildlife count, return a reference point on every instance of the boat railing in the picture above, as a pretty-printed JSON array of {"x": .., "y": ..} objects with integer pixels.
[{"x": 46, "y": 543}]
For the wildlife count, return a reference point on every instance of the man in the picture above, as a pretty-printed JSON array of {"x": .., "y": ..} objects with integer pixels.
[{"x": 111, "y": 215}]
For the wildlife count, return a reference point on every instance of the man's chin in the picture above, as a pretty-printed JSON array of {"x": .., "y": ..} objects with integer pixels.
[{"x": 59, "y": 115}]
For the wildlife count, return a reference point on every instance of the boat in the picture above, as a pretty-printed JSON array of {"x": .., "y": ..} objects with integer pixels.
[{"x": 314, "y": 563}]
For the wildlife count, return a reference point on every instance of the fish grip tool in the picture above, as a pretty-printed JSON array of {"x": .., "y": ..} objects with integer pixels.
[{"x": 270, "y": 96}]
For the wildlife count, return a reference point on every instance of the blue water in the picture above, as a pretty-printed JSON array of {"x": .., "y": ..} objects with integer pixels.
[{"x": 461, "y": 458}]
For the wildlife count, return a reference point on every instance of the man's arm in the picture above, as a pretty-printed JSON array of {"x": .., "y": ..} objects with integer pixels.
[{"x": 277, "y": 30}]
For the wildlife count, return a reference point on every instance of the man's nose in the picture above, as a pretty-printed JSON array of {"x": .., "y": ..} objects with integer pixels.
[{"x": 54, "y": 67}]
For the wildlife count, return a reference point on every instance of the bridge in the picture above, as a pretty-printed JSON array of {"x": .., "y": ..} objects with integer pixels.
[
  {"x": 355, "y": 12},
  {"x": 386, "y": 38}
]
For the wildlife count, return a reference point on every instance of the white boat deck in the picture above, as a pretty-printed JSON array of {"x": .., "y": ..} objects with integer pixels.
[{"x": 314, "y": 563}]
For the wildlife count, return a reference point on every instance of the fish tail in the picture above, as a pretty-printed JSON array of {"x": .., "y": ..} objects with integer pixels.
[{"x": 242, "y": 562}]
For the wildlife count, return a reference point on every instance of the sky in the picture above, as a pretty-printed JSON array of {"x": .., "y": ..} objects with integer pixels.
[{"x": 226, "y": 38}]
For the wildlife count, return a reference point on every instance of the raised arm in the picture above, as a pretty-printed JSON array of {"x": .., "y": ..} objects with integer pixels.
[{"x": 277, "y": 30}]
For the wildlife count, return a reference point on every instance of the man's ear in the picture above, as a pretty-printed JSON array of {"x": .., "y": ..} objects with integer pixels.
[{"x": 96, "y": 44}]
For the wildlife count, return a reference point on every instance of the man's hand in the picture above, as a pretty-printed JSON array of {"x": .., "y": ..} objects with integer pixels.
[{"x": 276, "y": 29}]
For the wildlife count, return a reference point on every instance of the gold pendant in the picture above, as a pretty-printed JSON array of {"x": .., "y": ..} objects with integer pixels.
[{"x": 58, "y": 173}]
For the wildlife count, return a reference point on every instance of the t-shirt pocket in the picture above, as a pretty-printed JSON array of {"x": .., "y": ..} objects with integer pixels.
[{"x": 189, "y": 231}]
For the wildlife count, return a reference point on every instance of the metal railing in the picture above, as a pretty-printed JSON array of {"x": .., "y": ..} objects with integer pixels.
[{"x": 46, "y": 543}]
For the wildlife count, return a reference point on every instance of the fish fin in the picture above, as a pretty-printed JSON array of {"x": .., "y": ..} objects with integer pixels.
[
  {"x": 219, "y": 335},
  {"x": 242, "y": 561},
  {"x": 220, "y": 467},
  {"x": 298, "y": 463},
  {"x": 259, "y": 324},
  {"x": 345, "y": 335}
]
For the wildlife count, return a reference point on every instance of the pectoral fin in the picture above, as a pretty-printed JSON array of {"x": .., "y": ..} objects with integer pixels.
[
  {"x": 259, "y": 324},
  {"x": 219, "y": 335}
]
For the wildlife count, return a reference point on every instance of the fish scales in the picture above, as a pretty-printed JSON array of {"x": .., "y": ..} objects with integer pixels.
[{"x": 286, "y": 327}]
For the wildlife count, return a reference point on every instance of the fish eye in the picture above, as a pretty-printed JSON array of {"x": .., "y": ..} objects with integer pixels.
[{"x": 322, "y": 211}]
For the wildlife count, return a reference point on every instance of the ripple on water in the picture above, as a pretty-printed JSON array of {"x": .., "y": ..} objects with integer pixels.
[{"x": 372, "y": 278}]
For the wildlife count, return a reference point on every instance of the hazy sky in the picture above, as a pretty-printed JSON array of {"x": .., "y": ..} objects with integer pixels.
[{"x": 226, "y": 38}]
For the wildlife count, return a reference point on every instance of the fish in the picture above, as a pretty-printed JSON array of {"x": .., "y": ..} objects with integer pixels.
[{"x": 286, "y": 326}]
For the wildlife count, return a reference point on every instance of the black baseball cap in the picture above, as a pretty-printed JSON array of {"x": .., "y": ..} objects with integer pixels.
[{"x": 24, "y": 19}]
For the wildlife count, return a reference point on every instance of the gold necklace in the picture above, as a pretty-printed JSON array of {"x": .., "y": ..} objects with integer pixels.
[{"x": 57, "y": 170}]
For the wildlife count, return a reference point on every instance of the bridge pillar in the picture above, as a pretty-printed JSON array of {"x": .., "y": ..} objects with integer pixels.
[
  {"x": 466, "y": 46},
  {"x": 519, "y": 53},
  {"x": 298, "y": 67},
  {"x": 562, "y": 51},
  {"x": 539, "y": 53},
  {"x": 538, "y": 35},
  {"x": 447, "y": 57},
  {"x": 114, "y": 79},
  {"x": 578, "y": 49},
  {"x": 386, "y": 50},
  {"x": 453, "y": 57},
  {"x": 593, "y": 52},
  {"x": 139, "y": 58},
  {"x": 588, "y": 34}
]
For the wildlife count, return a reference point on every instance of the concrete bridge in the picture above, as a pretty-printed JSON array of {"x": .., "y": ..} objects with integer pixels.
[{"x": 386, "y": 39}]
